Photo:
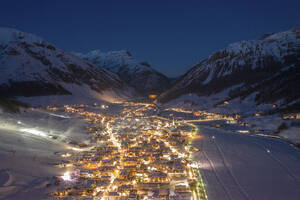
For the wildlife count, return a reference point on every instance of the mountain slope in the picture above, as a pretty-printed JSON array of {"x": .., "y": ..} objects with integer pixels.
[
  {"x": 268, "y": 68},
  {"x": 140, "y": 75},
  {"x": 30, "y": 66}
]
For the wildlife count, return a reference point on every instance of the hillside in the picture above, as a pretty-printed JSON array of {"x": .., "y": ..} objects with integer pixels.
[
  {"x": 265, "y": 71},
  {"x": 139, "y": 75},
  {"x": 31, "y": 67}
]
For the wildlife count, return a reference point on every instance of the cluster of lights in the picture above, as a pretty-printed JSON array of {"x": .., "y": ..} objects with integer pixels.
[{"x": 154, "y": 128}]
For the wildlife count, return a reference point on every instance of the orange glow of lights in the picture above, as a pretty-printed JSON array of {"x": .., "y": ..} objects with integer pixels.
[
  {"x": 152, "y": 96},
  {"x": 90, "y": 166},
  {"x": 198, "y": 137}
]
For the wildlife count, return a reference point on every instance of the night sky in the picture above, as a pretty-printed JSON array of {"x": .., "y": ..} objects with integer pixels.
[{"x": 171, "y": 35}]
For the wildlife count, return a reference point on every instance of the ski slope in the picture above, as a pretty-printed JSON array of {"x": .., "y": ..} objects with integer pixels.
[
  {"x": 31, "y": 143},
  {"x": 242, "y": 167}
]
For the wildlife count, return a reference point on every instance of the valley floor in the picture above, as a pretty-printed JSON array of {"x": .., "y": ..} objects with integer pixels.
[
  {"x": 39, "y": 145},
  {"x": 238, "y": 166}
]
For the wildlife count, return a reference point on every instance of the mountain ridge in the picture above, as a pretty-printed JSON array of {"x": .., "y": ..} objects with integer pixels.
[
  {"x": 268, "y": 66},
  {"x": 139, "y": 75},
  {"x": 31, "y": 66}
]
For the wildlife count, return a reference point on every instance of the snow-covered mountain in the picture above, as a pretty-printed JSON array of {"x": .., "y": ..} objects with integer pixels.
[
  {"x": 268, "y": 69},
  {"x": 30, "y": 66},
  {"x": 140, "y": 75}
]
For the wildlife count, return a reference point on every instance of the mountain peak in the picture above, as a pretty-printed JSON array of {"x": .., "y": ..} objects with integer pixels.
[
  {"x": 8, "y": 35},
  {"x": 138, "y": 74},
  {"x": 268, "y": 68},
  {"x": 31, "y": 66}
]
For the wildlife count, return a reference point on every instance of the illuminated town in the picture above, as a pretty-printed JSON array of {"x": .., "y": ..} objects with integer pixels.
[
  {"x": 150, "y": 100},
  {"x": 134, "y": 154}
]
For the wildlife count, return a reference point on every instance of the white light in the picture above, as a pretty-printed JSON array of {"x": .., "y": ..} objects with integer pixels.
[
  {"x": 66, "y": 155},
  {"x": 34, "y": 132},
  {"x": 243, "y": 131},
  {"x": 80, "y": 149},
  {"x": 66, "y": 176},
  {"x": 194, "y": 165}
]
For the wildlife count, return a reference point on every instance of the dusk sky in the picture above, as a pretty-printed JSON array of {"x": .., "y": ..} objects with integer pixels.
[{"x": 171, "y": 35}]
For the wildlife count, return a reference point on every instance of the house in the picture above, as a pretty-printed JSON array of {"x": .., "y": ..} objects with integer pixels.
[
  {"x": 181, "y": 188},
  {"x": 132, "y": 195},
  {"x": 164, "y": 192},
  {"x": 125, "y": 188},
  {"x": 112, "y": 196},
  {"x": 158, "y": 177},
  {"x": 130, "y": 161}
]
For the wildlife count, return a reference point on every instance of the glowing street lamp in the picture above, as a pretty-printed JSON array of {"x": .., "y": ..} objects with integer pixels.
[{"x": 67, "y": 176}]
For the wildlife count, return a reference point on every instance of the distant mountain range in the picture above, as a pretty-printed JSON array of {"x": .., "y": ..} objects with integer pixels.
[
  {"x": 31, "y": 67},
  {"x": 267, "y": 68},
  {"x": 139, "y": 75}
]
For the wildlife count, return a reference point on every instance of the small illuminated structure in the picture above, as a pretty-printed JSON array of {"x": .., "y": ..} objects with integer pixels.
[
  {"x": 91, "y": 166},
  {"x": 152, "y": 96}
]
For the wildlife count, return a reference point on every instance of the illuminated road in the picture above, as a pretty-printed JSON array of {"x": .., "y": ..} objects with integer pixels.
[{"x": 236, "y": 166}]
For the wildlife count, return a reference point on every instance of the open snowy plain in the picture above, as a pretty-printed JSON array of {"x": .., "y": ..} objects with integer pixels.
[{"x": 240, "y": 166}]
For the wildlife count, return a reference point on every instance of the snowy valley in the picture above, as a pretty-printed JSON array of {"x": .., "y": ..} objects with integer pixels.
[{"x": 83, "y": 126}]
